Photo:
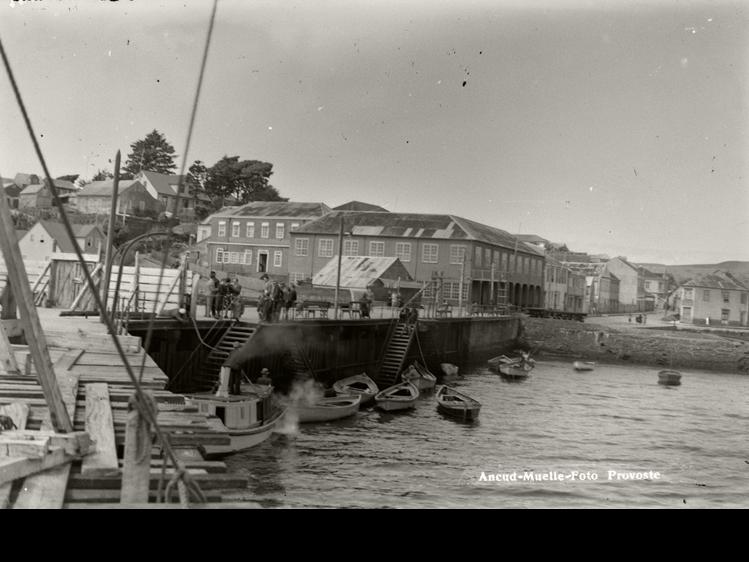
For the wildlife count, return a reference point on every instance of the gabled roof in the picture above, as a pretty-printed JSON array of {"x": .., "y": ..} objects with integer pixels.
[
  {"x": 33, "y": 188},
  {"x": 83, "y": 230},
  {"x": 12, "y": 190},
  {"x": 163, "y": 183},
  {"x": 279, "y": 209},
  {"x": 25, "y": 179},
  {"x": 63, "y": 184},
  {"x": 532, "y": 239},
  {"x": 359, "y": 206},
  {"x": 717, "y": 280},
  {"x": 360, "y": 271},
  {"x": 624, "y": 261},
  {"x": 414, "y": 225},
  {"x": 57, "y": 231},
  {"x": 103, "y": 188}
]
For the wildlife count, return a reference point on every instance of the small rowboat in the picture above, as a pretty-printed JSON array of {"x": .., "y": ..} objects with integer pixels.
[
  {"x": 456, "y": 404},
  {"x": 583, "y": 365},
  {"x": 328, "y": 409},
  {"x": 515, "y": 371},
  {"x": 419, "y": 376},
  {"x": 669, "y": 377},
  {"x": 399, "y": 397},
  {"x": 495, "y": 362},
  {"x": 360, "y": 385}
]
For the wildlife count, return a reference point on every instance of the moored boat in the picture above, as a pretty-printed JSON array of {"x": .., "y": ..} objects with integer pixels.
[
  {"x": 398, "y": 397},
  {"x": 669, "y": 377},
  {"x": 248, "y": 418},
  {"x": 583, "y": 365},
  {"x": 419, "y": 376},
  {"x": 515, "y": 371},
  {"x": 327, "y": 409},
  {"x": 360, "y": 385},
  {"x": 456, "y": 404}
]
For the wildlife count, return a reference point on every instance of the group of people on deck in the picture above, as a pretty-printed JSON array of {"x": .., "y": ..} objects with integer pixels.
[{"x": 222, "y": 299}]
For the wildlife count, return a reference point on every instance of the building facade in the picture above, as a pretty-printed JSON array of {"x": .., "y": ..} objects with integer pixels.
[
  {"x": 717, "y": 298},
  {"x": 255, "y": 238},
  {"x": 133, "y": 198},
  {"x": 463, "y": 260}
]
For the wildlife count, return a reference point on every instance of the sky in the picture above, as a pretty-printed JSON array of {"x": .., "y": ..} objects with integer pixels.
[{"x": 613, "y": 127}]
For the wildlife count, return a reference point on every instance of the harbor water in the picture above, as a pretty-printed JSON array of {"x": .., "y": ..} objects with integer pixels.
[{"x": 611, "y": 437}]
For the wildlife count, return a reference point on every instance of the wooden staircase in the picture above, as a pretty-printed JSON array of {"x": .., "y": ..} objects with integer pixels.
[
  {"x": 395, "y": 354},
  {"x": 234, "y": 338}
]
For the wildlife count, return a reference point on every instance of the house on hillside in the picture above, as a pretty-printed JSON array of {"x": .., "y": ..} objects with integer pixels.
[
  {"x": 164, "y": 187},
  {"x": 46, "y": 238},
  {"x": 716, "y": 298},
  {"x": 12, "y": 191},
  {"x": 39, "y": 195},
  {"x": 22, "y": 180},
  {"x": 133, "y": 198}
]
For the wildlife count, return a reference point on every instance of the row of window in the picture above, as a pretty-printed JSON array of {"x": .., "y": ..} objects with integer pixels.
[
  {"x": 429, "y": 253},
  {"x": 245, "y": 257},
  {"x": 450, "y": 290},
  {"x": 706, "y": 294},
  {"x": 236, "y": 229}
]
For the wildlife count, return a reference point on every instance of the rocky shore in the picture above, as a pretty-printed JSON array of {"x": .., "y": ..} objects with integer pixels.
[{"x": 658, "y": 344}]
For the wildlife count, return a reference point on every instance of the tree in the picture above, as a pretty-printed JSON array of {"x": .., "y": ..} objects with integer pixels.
[
  {"x": 154, "y": 153},
  {"x": 102, "y": 175},
  {"x": 197, "y": 178},
  {"x": 245, "y": 180}
]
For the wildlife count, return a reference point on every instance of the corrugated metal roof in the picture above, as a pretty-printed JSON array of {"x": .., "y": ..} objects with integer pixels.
[
  {"x": 104, "y": 188},
  {"x": 358, "y": 272}
]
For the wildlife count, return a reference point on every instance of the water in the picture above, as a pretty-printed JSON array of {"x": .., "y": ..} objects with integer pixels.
[{"x": 556, "y": 424}]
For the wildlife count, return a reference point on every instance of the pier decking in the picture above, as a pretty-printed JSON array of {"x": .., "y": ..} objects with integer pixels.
[{"x": 96, "y": 390}]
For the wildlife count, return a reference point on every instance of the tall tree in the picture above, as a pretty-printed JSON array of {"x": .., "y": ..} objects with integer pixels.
[
  {"x": 197, "y": 178},
  {"x": 245, "y": 180},
  {"x": 153, "y": 153}
]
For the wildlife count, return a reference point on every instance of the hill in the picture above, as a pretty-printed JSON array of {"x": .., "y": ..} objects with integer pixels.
[{"x": 682, "y": 273}]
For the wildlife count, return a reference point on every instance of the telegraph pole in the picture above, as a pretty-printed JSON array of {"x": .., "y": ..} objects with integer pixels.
[{"x": 338, "y": 275}]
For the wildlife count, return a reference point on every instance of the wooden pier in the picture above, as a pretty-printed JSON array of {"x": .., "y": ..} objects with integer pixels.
[{"x": 36, "y": 468}]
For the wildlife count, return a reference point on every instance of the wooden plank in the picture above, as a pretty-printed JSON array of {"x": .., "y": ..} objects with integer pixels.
[
  {"x": 137, "y": 459},
  {"x": 165, "y": 298},
  {"x": 32, "y": 326},
  {"x": 86, "y": 288},
  {"x": 12, "y": 468},
  {"x": 7, "y": 356},
  {"x": 100, "y": 426},
  {"x": 19, "y": 413}
]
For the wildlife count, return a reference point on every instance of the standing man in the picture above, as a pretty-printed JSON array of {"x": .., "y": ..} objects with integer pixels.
[{"x": 211, "y": 299}]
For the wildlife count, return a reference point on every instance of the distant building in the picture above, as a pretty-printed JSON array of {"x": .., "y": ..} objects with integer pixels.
[
  {"x": 717, "y": 298},
  {"x": 46, "y": 238},
  {"x": 164, "y": 187},
  {"x": 658, "y": 285},
  {"x": 22, "y": 180},
  {"x": 132, "y": 198},
  {"x": 631, "y": 291},
  {"x": 449, "y": 252},
  {"x": 255, "y": 238},
  {"x": 359, "y": 206},
  {"x": 39, "y": 195},
  {"x": 361, "y": 273}
]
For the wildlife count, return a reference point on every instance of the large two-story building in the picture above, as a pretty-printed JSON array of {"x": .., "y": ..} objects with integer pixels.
[
  {"x": 486, "y": 263},
  {"x": 715, "y": 298},
  {"x": 254, "y": 238}
]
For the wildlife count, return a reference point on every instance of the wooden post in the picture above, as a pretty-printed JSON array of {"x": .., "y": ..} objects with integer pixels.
[
  {"x": 173, "y": 284},
  {"x": 31, "y": 326},
  {"x": 110, "y": 239},
  {"x": 182, "y": 281},
  {"x": 136, "y": 460},
  {"x": 338, "y": 275},
  {"x": 136, "y": 278},
  {"x": 85, "y": 287}
]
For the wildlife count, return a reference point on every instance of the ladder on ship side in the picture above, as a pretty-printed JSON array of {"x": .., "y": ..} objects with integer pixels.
[
  {"x": 395, "y": 353},
  {"x": 233, "y": 339}
]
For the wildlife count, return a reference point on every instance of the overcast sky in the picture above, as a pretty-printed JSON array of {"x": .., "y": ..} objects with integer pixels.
[{"x": 615, "y": 127}]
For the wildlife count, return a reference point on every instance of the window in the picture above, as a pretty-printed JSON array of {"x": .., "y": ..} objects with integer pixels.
[
  {"x": 688, "y": 293},
  {"x": 350, "y": 247},
  {"x": 477, "y": 256},
  {"x": 301, "y": 246},
  {"x": 264, "y": 230},
  {"x": 487, "y": 257},
  {"x": 724, "y": 313},
  {"x": 403, "y": 251},
  {"x": 504, "y": 261},
  {"x": 277, "y": 258},
  {"x": 235, "y": 229},
  {"x": 295, "y": 276},
  {"x": 527, "y": 265},
  {"x": 221, "y": 228},
  {"x": 233, "y": 257},
  {"x": 457, "y": 254},
  {"x": 250, "y": 230},
  {"x": 496, "y": 259},
  {"x": 451, "y": 290},
  {"x": 219, "y": 255},
  {"x": 706, "y": 295},
  {"x": 246, "y": 257},
  {"x": 141, "y": 205},
  {"x": 279, "y": 230},
  {"x": 743, "y": 298},
  {"x": 376, "y": 249},
  {"x": 325, "y": 248},
  {"x": 294, "y": 226},
  {"x": 429, "y": 253},
  {"x": 726, "y": 297}
]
